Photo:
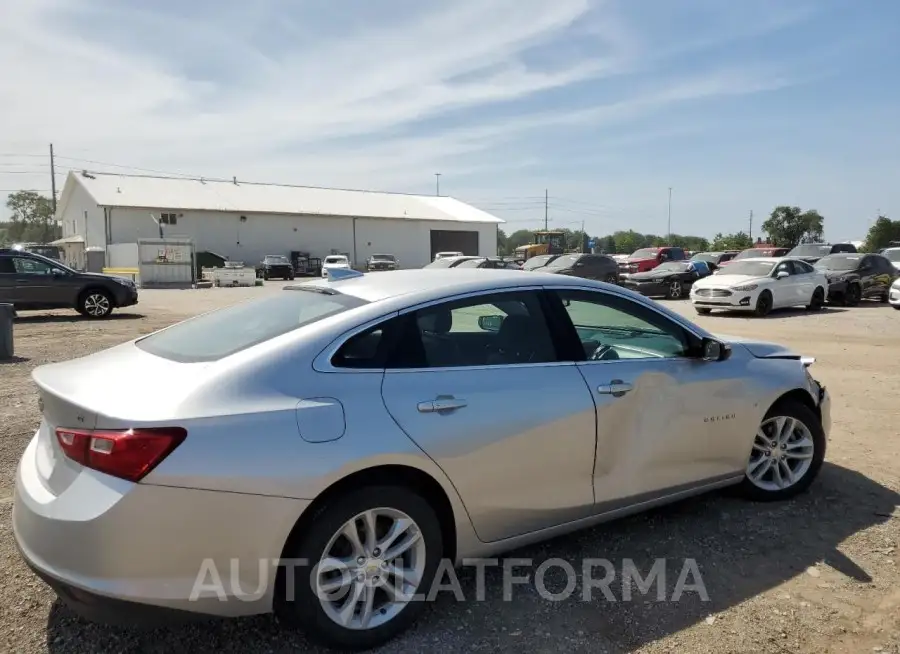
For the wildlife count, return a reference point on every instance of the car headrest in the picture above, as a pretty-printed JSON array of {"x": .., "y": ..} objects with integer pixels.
[
  {"x": 515, "y": 330},
  {"x": 435, "y": 321}
]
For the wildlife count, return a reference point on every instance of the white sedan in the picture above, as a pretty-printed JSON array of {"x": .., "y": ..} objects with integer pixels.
[
  {"x": 894, "y": 296},
  {"x": 334, "y": 261},
  {"x": 760, "y": 285}
]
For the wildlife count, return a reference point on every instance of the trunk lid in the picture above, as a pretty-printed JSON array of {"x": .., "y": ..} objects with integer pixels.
[{"x": 97, "y": 392}]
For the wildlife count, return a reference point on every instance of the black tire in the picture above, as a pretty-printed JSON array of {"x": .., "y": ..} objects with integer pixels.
[
  {"x": 675, "y": 291},
  {"x": 885, "y": 297},
  {"x": 818, "y": 300},
  {"x": 799, "y": 411},
  {"x": 763, "y": 304},
  {"x": 305, "y": 611},
  {"x": 265, "y": 275},
  {"x": 853, "y": 295},
  {"x": 703, "y": 311},
  {"x": 612, "y": 279},
  {"x": 95, "y": 303}
]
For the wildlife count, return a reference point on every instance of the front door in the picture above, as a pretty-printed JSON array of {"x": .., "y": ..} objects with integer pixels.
[
  {"x": 666, "y": 420},
  {"x": 41, "y": 285},
  {"x": 477, "y": 385}
]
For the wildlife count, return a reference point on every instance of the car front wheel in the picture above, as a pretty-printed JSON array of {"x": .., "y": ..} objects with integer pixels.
[
  {"x": 375, "y": 552},
  {"x": 787, "y": 453},
  {"x": 95, "y": 304}
]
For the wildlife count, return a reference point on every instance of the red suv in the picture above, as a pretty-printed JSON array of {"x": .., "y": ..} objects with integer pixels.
[{"x": 649, "y": 258}]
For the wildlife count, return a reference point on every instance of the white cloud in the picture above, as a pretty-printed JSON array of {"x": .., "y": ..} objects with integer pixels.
[{"x": 273, "y": 91}]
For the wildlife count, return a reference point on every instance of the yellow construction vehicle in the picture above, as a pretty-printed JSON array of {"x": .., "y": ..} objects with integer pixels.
[{"x": 545, "y": 242}]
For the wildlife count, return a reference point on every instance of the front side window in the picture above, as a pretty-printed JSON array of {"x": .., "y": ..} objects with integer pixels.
[
  {"x": 489, "y": 330},
  {"x": 612, "y": 328},
  {"x": 25, "y": 266}
]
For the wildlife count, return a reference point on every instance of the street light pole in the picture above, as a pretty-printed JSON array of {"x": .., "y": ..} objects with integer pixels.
[{"x": 437, "y": 184}]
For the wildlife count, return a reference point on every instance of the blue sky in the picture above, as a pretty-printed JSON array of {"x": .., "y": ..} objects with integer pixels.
[{"x": 737, "y": 105}]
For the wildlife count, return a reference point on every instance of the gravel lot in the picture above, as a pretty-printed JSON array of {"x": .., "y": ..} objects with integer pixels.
[{"x": 818, "y": 574}]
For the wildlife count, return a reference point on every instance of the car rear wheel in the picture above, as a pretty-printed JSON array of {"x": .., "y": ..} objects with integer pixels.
[
  {"x": 787, "y": 453},
  {"x": 853, "y": 295},
  {"x": 675, "y": 291},
  {"x": 373, "y": 550},
  {"x": 818, "y": 300},
  {"x": 703, "y": 311},
  {"x": 95, "y": 304},
  {"x": 763, "y": 304}
]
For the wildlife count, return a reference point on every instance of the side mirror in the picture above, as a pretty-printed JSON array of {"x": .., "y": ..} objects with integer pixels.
[
  {"x": 56, "y": 272},
  {"x": 782, "y": 274},
  {"x": 715, "y": 351},
  {"x": 490, "y": 323}
]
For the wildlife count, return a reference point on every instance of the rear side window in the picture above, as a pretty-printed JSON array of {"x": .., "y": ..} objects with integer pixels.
[{"x": 216, "y": 335}]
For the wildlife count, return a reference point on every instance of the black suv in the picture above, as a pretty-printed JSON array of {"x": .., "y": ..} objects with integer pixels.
[
  {"x": 852, "y": 277},
  {"x": 587, "y": 266},
  {"x": 275, "y": 265},
  {"x": 30, "y": 281},
  {"x": 812, "y": 252}
]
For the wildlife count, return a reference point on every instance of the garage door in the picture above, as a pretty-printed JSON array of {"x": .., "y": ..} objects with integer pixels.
[{"x": 453, "y": 241}]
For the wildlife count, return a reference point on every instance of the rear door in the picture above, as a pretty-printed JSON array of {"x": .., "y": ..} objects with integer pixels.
[
  {"x": 658, "y": 433},
  {"x": 489, "y": 401}
]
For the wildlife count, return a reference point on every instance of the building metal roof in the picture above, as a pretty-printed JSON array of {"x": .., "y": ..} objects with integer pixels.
[{"x": 185, "y": 194}]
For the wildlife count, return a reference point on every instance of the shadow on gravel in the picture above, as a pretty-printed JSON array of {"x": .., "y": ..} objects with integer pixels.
[
  {"x": 741, "y": 550},
  {"x": 14, "y": 359},
  {"x": 778, "y": 314},
  {"x": 74, "y": 317}
]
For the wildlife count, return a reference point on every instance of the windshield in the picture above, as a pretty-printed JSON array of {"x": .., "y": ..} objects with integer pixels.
[
  {"x": 892, "y": 255},
  {"x": 749, "y": 268},
  {"x": 753, "y": 253},
  {"x": 470, "y": 263},
  {"x": 218, "y": 334},
  {"x": 566, "y": 261},
  {"x": 810, "y": 250},
  {"x": 838, "y": 262},
  {"x": 678, "y": 266},
  {"x": 538, "y": 262},
  {"x": 382, "y": 257},
  {"x": 335, "y": 259},
  {"x": 276, "y": 258},
  {"x": 646, "y": 253}
]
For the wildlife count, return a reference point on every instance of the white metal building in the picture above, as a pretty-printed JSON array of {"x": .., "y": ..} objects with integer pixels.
[{"x": 245, "y": 221}]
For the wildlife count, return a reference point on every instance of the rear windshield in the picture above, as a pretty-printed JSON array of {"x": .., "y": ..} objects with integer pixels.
[
  {"x": 335, "y": 259},
  {"x": 213, "y": 336},
  {"x": 810, "y": 250},
  {"x": 442, "y": 263}
]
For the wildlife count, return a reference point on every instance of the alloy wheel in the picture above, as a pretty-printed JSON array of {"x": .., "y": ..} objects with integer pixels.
[
  {"x": 371, "y": 568},
  {"x": 782, "y": 453},
  {"x": 96, "y": 305},
  {"x": 675, "y": 290}
]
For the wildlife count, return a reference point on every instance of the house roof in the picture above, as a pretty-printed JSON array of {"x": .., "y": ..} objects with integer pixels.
[{"x": 162, "y": 193}]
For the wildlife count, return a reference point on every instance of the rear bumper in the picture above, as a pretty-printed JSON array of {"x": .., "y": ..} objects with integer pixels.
[{"x": 121, "y": 551}]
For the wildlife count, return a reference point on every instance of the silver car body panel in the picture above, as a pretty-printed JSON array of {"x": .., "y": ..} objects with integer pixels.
[{"x": 517, "y": 464}]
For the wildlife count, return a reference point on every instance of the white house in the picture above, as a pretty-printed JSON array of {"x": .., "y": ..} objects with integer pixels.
[{"x": 245, "y": 221}]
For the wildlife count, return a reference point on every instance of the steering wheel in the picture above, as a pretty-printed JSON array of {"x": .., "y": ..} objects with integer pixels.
[{"x": 604, "y": 353}]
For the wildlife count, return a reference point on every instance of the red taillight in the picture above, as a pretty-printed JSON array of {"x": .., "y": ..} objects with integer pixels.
[{"x": 128, "y": 454}]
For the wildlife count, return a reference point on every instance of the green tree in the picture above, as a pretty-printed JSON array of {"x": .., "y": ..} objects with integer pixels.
[
  {"x": 32, "y": 218},
  {"x": 737, "y": 241},
  {"x": 882, "y": 232},
  {"x": 519, "y": 238},
  {"x": 789, "y": 226}
]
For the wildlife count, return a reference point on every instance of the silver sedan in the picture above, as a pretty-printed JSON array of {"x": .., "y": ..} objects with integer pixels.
[{"x": 320, "y": 452}]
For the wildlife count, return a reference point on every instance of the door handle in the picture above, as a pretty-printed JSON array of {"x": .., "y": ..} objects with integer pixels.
[
  {"x": 616, "y": 388},
  {"x": 441, "y": 404}
]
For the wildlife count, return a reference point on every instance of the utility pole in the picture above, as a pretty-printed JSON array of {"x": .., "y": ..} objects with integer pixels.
[
  {"x": 546, "y": 208},
  {"x": 437, "y": 184},
  {"x": 751, "y": 226},
  {"x": 52, "y": 181},
  {"x": 583, "y": 238},
  {"x": 669, "y": 232}
]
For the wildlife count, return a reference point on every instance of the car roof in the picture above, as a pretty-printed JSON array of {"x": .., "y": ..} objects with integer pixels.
[{"x": 440, "y": 282}]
